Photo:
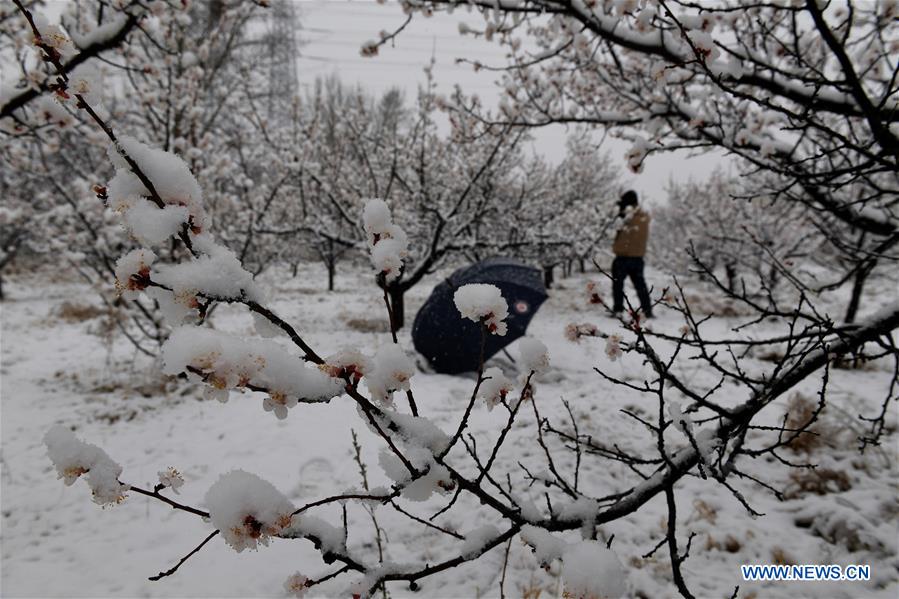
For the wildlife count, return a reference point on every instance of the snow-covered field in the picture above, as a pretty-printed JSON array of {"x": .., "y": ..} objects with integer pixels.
[{"x": 59, "y": 368}]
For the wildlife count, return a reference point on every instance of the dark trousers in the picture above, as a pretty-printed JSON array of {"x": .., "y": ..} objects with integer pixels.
[{"x": 622, "y": 268}]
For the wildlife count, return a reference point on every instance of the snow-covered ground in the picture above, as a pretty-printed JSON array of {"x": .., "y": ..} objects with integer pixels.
[{"x": 59, "y": 368}]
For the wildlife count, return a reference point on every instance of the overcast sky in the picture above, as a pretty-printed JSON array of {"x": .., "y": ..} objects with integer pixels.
[{"x": 334, "y": 30}]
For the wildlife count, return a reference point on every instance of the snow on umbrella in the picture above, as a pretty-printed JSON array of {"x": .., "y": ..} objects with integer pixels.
[{"x": 450, "y": 343}]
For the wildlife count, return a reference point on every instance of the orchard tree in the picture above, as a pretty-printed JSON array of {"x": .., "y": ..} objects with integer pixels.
[
  {"x": 697, "y": 432},
  {"x": 805, "y": 91},
  {"x": 554, "y": 215},
  {"x": 724, "y": 223},
  {"x": 185, "y": 82}
]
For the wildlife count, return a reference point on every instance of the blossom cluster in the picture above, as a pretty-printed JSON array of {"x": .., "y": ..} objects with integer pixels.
[
  {"x": 247, "y": 509},
  {"x": 495, "y": 387},
  {"x": 226, "y": 362},
  {"x": 387, "y": 242},
  {"x": 483, "y": 303},
  {"x": 574, "y": 332},
  {"x": 73, "y": 458}
]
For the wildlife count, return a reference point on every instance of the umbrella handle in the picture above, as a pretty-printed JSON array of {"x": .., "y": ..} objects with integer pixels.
[{"x": 508, "y": 355}]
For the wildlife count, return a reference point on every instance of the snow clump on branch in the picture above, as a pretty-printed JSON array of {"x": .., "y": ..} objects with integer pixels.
[
  {"x": 495, "y": 388},
  {"x": 388, "y": 242},
  {"x": 132, "y": 272},
  {"x": 73, "y": 457},
  {"x": 172, "y": 180},
  {"x": 247, "y": 509},
  {"x": 534, "y": 355},
  {"x": 480, "y": 302},
  {"x": 589, "y": 569},
  {"x": 392, "y": 370},
  {"x": 225, "y": 362}
]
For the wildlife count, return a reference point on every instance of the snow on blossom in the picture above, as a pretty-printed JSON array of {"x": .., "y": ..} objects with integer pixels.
[
  {"x": 247, "y": 509},
  {"x": 483, "y": 303},
  {"x": 174, "y": 312},
  {"x": 388, "y": 242},
  {"x": 613, "y": 347},
  {"x": 171, "y": 478},
  {"x": 591, "y": 571},
  {"x": 391, "y": 372},
  {"x": 369, "y": 48},
  {"x": 574, "y": 332},
  {"x": 216, "y": 273},
  {"x": 51, "y": 112},
  {"x": 436, "y": 478},
  {"x": 85, "y": 81},
  {"x": 376, "y": 218},
  {"x": 72, "y": 457},
  {"x": 227, "y": 361},
  {"x": 295, "y": 585},
  {"x": 416, "y": 431},
  {"x": 495, "y": 387},
  {"x": 348, "y": 362},
  {"x": 150, "y": 225},
  {"x": 704, "y": 44},
  {"x": 53, "y": 36},
  {"x": 534, "y": 355},
  {"x": 636, "y": 154},
  {"x": 169, "y": 174},
  {"x": 132, "y": 271},
  {"x": 328, "y": 537}
]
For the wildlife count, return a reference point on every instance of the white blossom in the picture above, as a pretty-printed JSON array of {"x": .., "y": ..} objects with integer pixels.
[
  {"x": 481, "y": 302},
  {"x": 73, "y": 457},
  {"x": 495, "y": 387},
  {"x": 247, "y": 509},
  {"x": 392, "y": 370},
  {"x": 171, "y": 478},
  {"x": 613, "y": 347},
  {"x": 295, "y": 585}
]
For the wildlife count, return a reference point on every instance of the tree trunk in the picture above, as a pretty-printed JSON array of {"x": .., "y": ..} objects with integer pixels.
[
  {"x": 2, "y": 297},
  {"x": 731, "y": 271},
  {"x": 294, "y": 268},
  {"x": 858, "y": 285},
  {"x": 331, "y": 263},
  {"x": 581, "y": 265},
  {"x": 547, "y": 276},
  {"x": 397, "y": 306},
  {"x": 773, "y": 277}
]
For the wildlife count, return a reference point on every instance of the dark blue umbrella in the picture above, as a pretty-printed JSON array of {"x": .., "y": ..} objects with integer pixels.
[{"x": 452, "y": 344}]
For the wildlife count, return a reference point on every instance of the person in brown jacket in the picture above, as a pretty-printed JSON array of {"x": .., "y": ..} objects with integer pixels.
[{"x": 629, "y": 249}]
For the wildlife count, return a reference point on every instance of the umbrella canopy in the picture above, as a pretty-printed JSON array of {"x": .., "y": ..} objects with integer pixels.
[{"x": 452, "y": 344}]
